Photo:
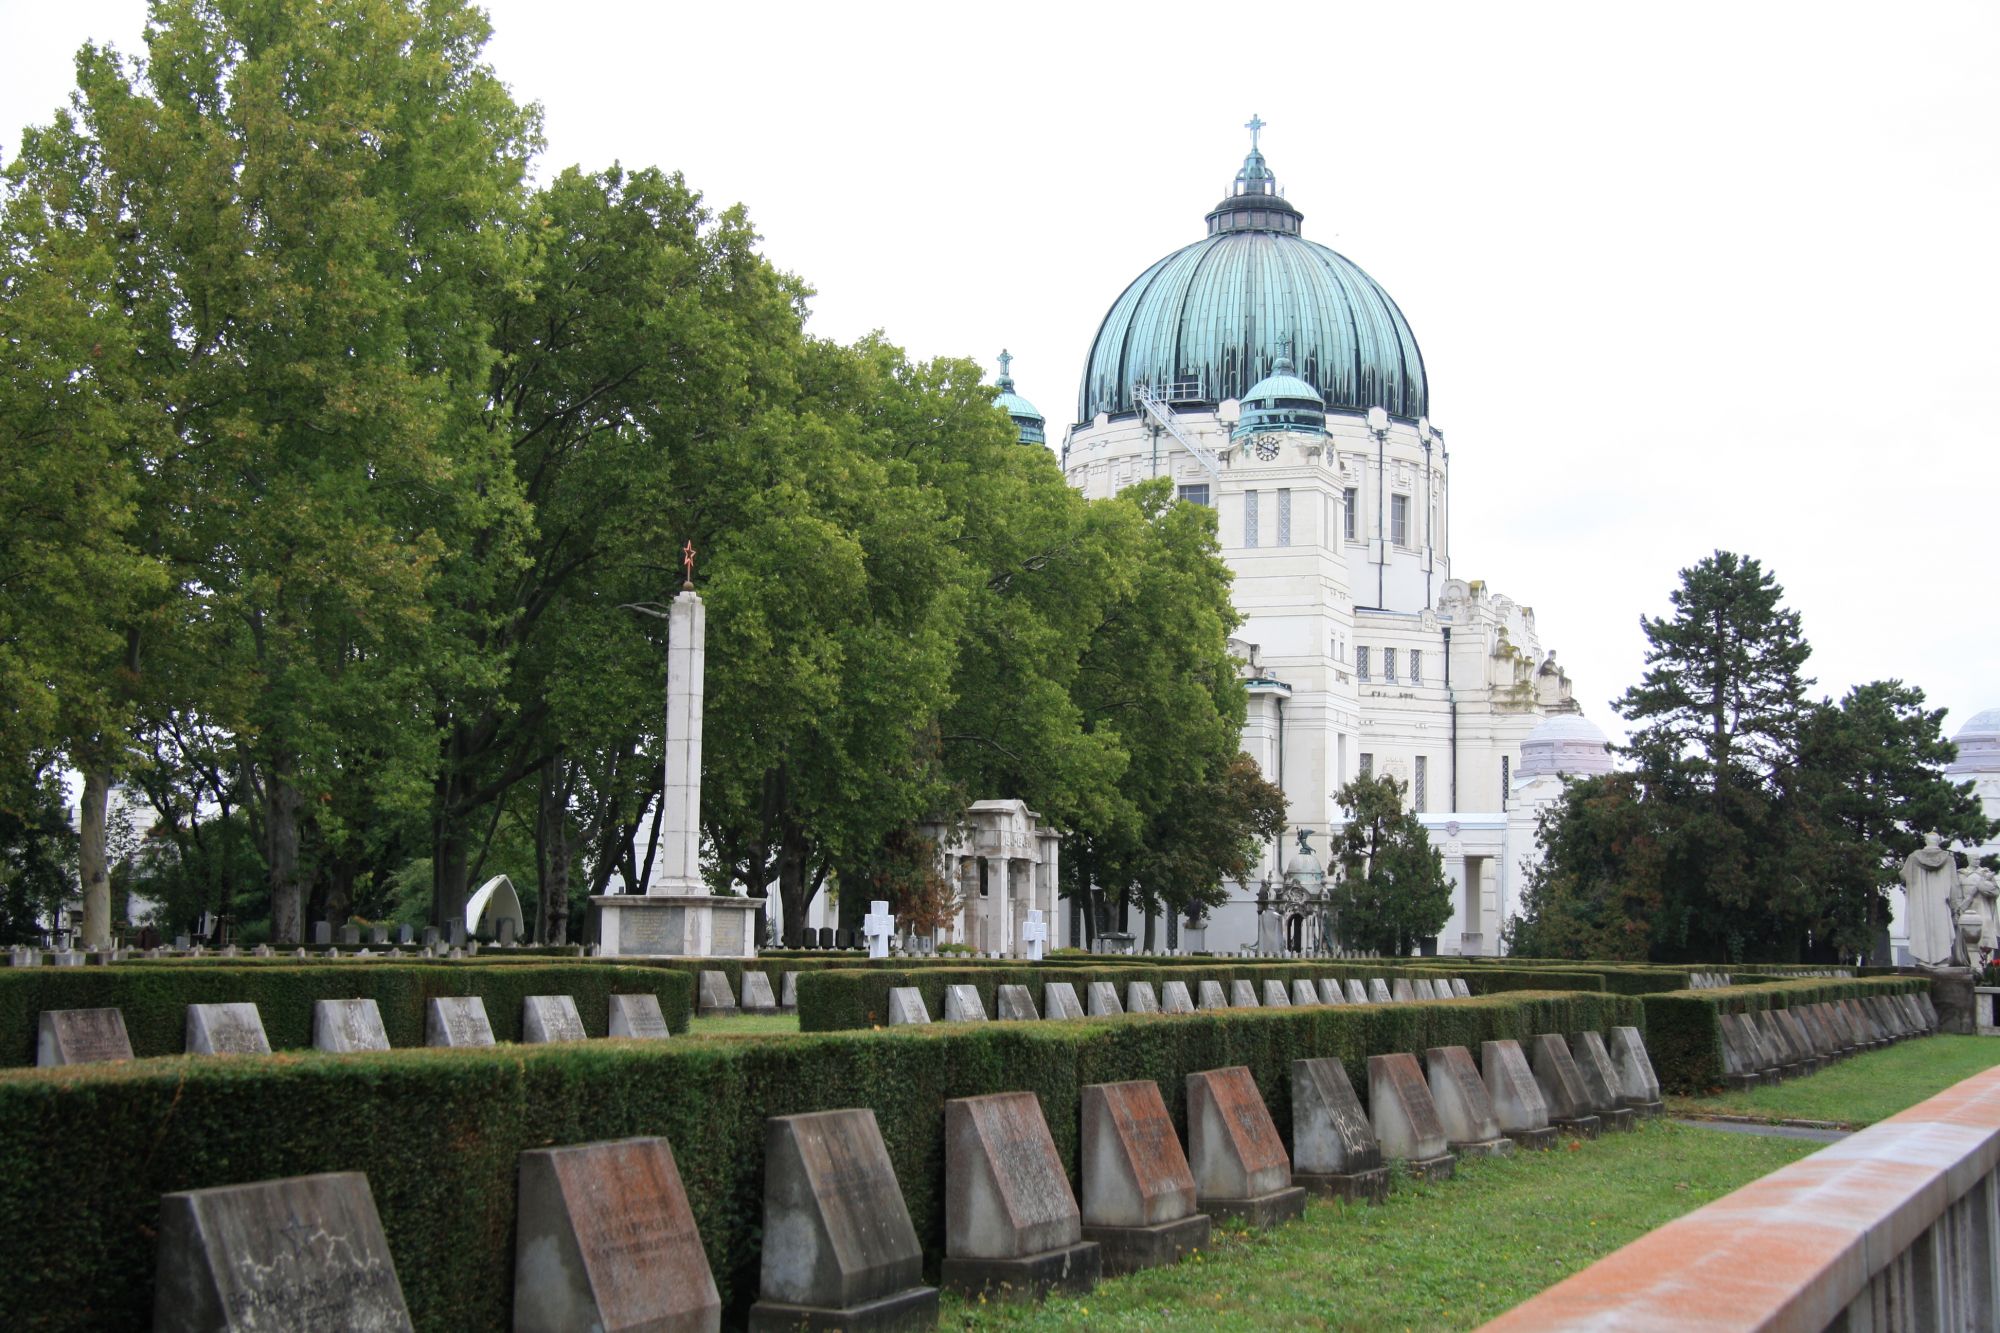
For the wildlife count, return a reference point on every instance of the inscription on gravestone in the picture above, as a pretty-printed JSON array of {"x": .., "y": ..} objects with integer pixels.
[
  {"x": 457, "y": 1020},
  {"x": 225, "y": 1029},
  {"x": 660, "y": 932},
  {"x": 638, "y": 1016},
  {"x": 82, "y": 1036},
  {"x": 1239, "y": 1162},
  {"x": 348, "y": 1025},
  {"x": 302, "y": 1253},
  {"x": 546, "y": 1018}
]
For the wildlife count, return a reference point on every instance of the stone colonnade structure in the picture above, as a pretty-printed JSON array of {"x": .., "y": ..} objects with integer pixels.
[{"x": 1001, "y": 862}]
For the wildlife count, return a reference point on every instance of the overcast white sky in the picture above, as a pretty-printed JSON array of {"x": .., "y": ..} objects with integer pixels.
[{"x": 1685, "y": 277}]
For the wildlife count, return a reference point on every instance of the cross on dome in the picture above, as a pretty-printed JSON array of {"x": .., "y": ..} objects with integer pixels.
[
  {"x": 1253, "y": 125},
  {"x": 1006, "y": 369}
]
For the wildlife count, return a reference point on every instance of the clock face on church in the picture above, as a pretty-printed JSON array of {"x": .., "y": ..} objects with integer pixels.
[{"x": 1267, "y": 448}]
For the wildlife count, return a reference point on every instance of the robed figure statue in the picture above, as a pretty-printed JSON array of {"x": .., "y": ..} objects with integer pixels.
[{"x": 1930, "y": 884}]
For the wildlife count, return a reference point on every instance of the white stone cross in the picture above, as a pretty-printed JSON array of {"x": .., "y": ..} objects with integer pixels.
[
  {"x": 1033, "y": 931},
  {"x": 878, "y": 926}
]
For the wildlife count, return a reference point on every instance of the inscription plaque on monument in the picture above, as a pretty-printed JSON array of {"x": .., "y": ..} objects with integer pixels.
[
  {"x": 653, "y": 932},
  {"x": 725, "y": 934},
  {"x": 82, "y": 1036},
  {"x": 607, "y": 1240},
  {"x": 303, "y": 1253}
]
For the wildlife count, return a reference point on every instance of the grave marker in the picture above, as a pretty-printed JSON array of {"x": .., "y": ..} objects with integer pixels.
[
  {"x": 1012, "y": 1227},
  {"x": 838, "y": 1247},
  {"x": 1638, "y": 1085},
  {"x": 1356, "y": 992},
  {"x": 1242, "y": 995},
  {"x": 1239, "y": 1162},
  {"x": 878, "y": 926},
  {"x": 322, "y": 934},
  {"x": 1102, "y": 999},
  {"x": 1405, "y": 1119},
  {"x": 1459, "y": 990},
  {"x": 1304, "y": 992},
  {"x": 1516, "y": 1097},
  {"x": 963, "y": 1005},
  {"x": 1378, "y": 991},
  {"x": 1174, "y": 998},
  {"x": 1015, "y": 1003},
  {"x": 1330, "y": 992},
  {"x": 226, "y": 1029},
  {"x": 549, "y": 1018},
  {"x": 1464, "y": 1109},
  {"x": 788, "y": 993},
  {"x": 1213, "y": 996},
  {"x": 1402, "y": 992},
  {"x": 1425, "y": 990},
  {"x": 1562, "y": 1088},
  {"x": 606, "y": 1240},
  {"x": 1334, "y": 1150},
  {"x": 346, "y": 1026},
  {"x": 757, "y": 995},
  {"x": 638, "y": 1017},
  {"x": 1034, "y": 933},
  {"x": 1600, "y": 1079},
  {"x": 906, "y": 1005},
  {"x": 306, "y": 1252},
  {"x": 713, "y": 994},
  {"x": 1138, "y": 1194},
  {"x": 1059, "y": 1000},
  {"x": 457, "y": 1020},
  {"x": 82, "y": 1037},
  {"x": 1275, "y": 995},
  {"x": 1139, "y": 998},
  {"x": 350, "y": 936}
]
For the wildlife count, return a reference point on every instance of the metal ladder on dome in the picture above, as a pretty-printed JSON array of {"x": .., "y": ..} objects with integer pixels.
[{"x": 1154, "y": 409}]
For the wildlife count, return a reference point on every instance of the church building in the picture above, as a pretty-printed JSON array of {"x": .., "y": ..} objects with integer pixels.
[{"x": 1276, "y": 382}]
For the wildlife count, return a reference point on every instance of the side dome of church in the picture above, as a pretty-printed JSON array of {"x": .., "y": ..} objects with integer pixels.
[
  {"x": 1566, "y": 745},
  {"x": 1978, "y": 743},
  {"x": 1210, "y": 320}
]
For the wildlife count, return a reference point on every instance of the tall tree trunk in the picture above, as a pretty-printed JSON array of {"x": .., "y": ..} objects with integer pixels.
[
  {"x": 281, "y": 827},
  {"x": 552, "y": 854},
  {"x": 793, "y": 895},
  {"x": 92, "y": 864}
]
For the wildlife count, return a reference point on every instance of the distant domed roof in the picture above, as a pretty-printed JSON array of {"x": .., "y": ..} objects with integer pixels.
[
  {"x": 1208, "y": 321},
  {"x": 1978, "y": 743},
  {"x": 1566, "y": 744},
  {"x": 1025, "y": 414},
  {"x": 1281, "y": 401}
]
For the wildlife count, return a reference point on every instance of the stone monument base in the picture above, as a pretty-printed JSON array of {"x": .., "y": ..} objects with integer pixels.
[
  {"x": 1431, "y": 1169},
  {"x": 1361, "y": 1186},
  {"x": 1259, "y": 1210},
  {"x": 1952, "y": 994},
  {"x": 1533, "y": 1140},
  {"x": 1619, "y": 1119},
  {"x": 1124, "y": 1250},
  {"x": 1073, "y": 1268},
  {"x": 913, "y": 1309},
  {"x": 673, "y": 925},
  {"x": 1500, "y": 1147},
  {"x": 1582, "y": 1127},
  {"x": 1646, "y": 1110}
]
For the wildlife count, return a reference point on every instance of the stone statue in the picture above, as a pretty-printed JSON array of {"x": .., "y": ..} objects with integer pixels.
[
  {"x": 1930, "y": 887},
  {"x": 1979, "y": 899}
]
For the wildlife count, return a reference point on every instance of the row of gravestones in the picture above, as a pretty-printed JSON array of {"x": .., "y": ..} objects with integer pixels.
[
  {"x": 963, "y": 1004},
  {"x": 606, "y": 1237},
  {"x": 1709, "y": 980},
  {"x": 714, "y": 997},
  {"x": 1775, "y": 1044},
  {"x": 91, "y": 1036}
]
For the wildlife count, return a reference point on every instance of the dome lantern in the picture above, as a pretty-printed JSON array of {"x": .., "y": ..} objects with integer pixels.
[{"x": 1281, "y": 401}]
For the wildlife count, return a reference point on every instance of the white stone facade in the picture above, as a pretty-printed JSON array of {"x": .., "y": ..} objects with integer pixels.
[{"x": 1001, "y": 862}]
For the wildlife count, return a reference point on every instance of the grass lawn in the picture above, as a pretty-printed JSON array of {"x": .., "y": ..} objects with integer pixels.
[
  {"x": 1861, "y": 1090},
  {"x": 1450, "y": 1255},
  {"x": 745, "y": 1025}
]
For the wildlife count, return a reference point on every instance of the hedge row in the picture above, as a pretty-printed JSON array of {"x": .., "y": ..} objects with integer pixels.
[
  {"x": 439, "y": 1132},
  {"x": 154, "y": 999},
  {"x": 843, "y": 1000},
  {"x": 1684, "y": 1028}
]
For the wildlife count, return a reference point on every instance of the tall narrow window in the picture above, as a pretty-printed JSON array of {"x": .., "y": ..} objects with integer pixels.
[
  {"x": 1506, "y": 778},
  {"x": 1399, "y": 519},
  {"x": 1350, "y": 501},
  {"x": 1389, "y": 665},
  {"x": 1360, "y": 662},
  {"x": 1416, "y": 666},
  {"x": 1420, "y": 789},
  {"x": 1197, "y": 494},
  {"x": 1249, "y": 518},
  {"x": 1284, "y": 516},
  {"x": 1367, "y": 764}
]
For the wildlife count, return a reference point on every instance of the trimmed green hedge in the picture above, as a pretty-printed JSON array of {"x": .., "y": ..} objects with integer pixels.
[
  {"x": 439, "y": 1132},
  {"x": 1684, "y": 1028},
  {"x": 154, "y": 999}
]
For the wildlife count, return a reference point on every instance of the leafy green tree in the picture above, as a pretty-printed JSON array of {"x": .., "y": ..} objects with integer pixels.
[
  {"x": 1389, "y": 890},
  {"x": 1208, "y": 832},
  {"x": 36, "y": 874},
  {"x": 1596, "y": 891}
]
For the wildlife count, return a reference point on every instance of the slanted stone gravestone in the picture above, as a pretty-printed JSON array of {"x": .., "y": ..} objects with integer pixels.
[
  {"x": 1825, "y": 1044},
  {"x": 1238, "y": 1160},
  {"x": 788, "y": 993},
  {"x": 1739, "y": 1053},
  {"x": 1378, "y": 991},
  {"x": 963, "y": 1005},
  {"x": 1600, "y": 1079},
  {"x": 1139, "y": 998},
  {"x": 1425, "y": 989},
  {"x": 1304, "y": 992},
  {"x": 1334, "y": 1150},
  {"x": 1059, "y": 1000},
  {"x": 1471, "y": 1129},
  {"x": 638, "y": 1017},
  {"x": 1034, "y": 934},
  {"x": 1405, "y": 1119},
  {"x": 757, "y": 995},
  {"x": 1213, "y": 996},
  {"x": 226, "y": 1029},
  {"x": 322, "y": 934},
  {"x": 457, "y": 1020},
  {"x": 906, "y": 1005},
  {"x": 838, "y": 1247},
  {"x": 1356, "y": 992},
  {"x": 1777, "y": 1048},
  {"x": 713, "y": 996},
  {"x": 1562, "y": 1088},
  {"x": 879, "y": 927},
  {"x": 1801, "y": 1040},
  {"x": 606, "y": 1240},
  {"x": 345, "y": 1026},
  {"x": 1638, "y": 1085},
  {"x": 301, "y": 1253},
  {"x": 82, "y": 1037},
  {"x": 1012, "y": 1229},
  {"x": 1174, "y": 998},
  {"x": 1275, "y": 995},
  {"x": 1242, "y": 995},
  {"x": 1516, "y": 1097},
  {"x": 546, "y": 1018},
  {"x": 1138, "y": 1194},
  {"x": 1102, "y": 999},
  {"x": 1401, "y": 991},
  {"x": 1330, "y": 992},
  {"x": 1014, "y": 1003}
]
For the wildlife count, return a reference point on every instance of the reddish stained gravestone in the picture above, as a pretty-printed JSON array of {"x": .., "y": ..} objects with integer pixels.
[
  {"x": 1239, "y": 1162},
  {"x": 1138, "y": 1193},
  {"x": 1012, "y": 1227}
]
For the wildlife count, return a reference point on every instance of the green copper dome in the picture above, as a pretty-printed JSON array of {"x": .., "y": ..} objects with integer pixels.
[
  {"x": 1281, "y": 401},
  {"x": 1027, "y": 418},
  {"x": 1209, "y": 321}
]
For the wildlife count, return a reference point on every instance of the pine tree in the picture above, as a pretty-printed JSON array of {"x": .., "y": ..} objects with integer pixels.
[{"x": 1390, "y": 890}]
